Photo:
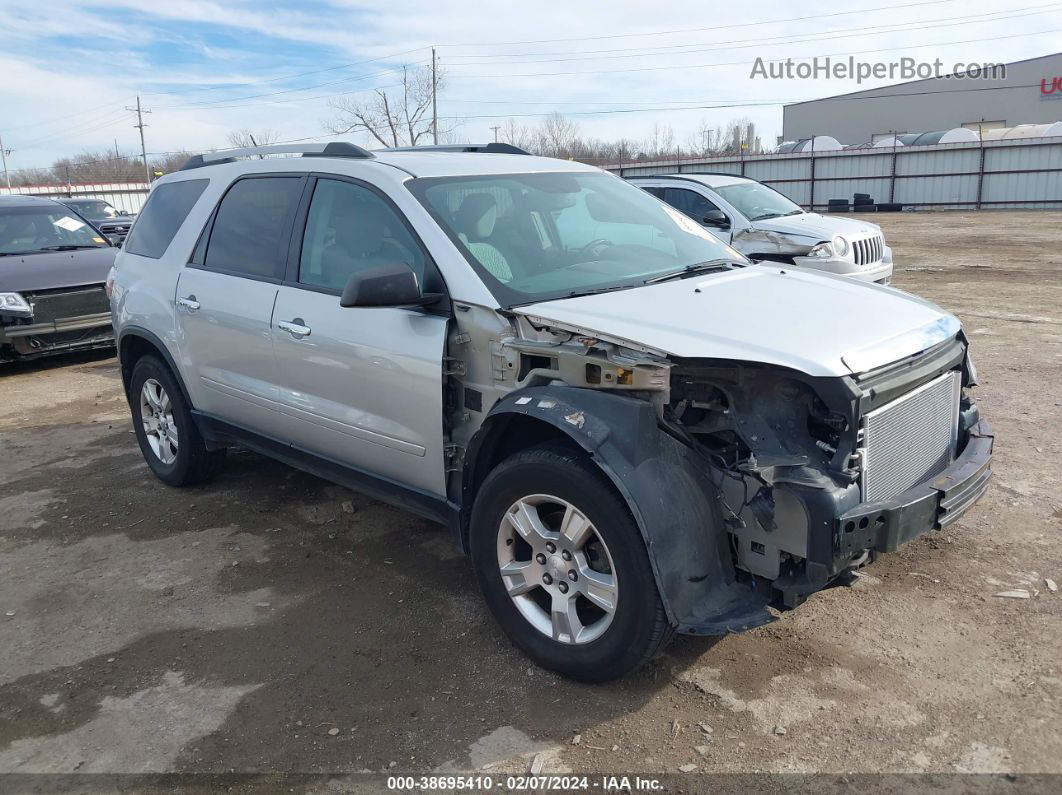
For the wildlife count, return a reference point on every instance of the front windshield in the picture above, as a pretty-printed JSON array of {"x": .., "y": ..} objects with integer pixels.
[
  {"x": 97, "y": 209},
  {"x": 534, "y": 237},
  {"x": 756, "y": 201},
  {"x": 31, "y": 230}
]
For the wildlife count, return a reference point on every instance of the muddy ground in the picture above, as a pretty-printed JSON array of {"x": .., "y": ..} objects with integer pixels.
[{"x": 272, "y": 622}]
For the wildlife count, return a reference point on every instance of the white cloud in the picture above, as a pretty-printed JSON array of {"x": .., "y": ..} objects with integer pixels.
[{"x": 93, "y": 59}]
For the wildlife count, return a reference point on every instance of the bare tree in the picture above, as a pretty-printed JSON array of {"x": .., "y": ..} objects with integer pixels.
[
  {"x": 173, "y": 161},
  {"x": 242, "y": 139},
  {"x": 25, "y": 177},
  {"x": 398, "y": 118},
  {"x": 103, "y": 166},
  {"x": 557, "y": 136},
  {"x": 705, "y": 140},
  {"x": 518, "y": 134}
]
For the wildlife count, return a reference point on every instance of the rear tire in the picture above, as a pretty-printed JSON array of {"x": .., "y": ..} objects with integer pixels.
[
  {"x": 563, "y": 566},
  {"x": 167, "y": 434}
]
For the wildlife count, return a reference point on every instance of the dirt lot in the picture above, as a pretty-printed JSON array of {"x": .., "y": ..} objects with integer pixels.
[{"x": 272, "y": 622}]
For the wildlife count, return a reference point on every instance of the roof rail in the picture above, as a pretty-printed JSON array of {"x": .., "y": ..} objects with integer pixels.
[
  {"x": 491, "y": 148},
  {"x": 334, "y": 149}
]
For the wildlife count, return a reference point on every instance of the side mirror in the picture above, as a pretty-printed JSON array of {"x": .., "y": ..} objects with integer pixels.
[
  {"x": 716, "y": 218},
  {"x": 387, "y": 285}
]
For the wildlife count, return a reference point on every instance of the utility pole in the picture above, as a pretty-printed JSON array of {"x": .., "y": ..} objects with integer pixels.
[
  {"x": 434, "y": 99},
  {"x": 140, "y": 126},
  {"x": 3, "y": 156},
  {"x": 496, "y": 127}
]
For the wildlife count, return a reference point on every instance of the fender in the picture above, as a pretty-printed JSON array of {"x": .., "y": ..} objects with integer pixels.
[
  {"x": 157, "y": 343},
  {"x": 668, "y": 490}
]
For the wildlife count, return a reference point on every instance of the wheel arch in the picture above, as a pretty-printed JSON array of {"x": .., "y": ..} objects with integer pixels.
[
  {"x": 135, "y": 343},
  {"x": 664, "y": 485}
]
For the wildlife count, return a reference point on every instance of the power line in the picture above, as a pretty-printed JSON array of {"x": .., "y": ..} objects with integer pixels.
[
  {"x": 329, "y": 95},
  {"x": 609, "y": 111},
  {"x": 292, "y": 90},
  {"x": 108, "y": 120},
  {"x": 874, "y": 30},
  {"x": 283, "y": 78},
  {"x": 739, "y": 63},
  {"x": 93, "y": 109},
  {"x": 738, "y": 104},
  {"x": 698, "y": 30}
]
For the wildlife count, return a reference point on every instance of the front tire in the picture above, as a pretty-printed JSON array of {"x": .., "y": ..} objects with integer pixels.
[
  {"x": 168, "y": 436},
  {"x": 563, "y": 566}
]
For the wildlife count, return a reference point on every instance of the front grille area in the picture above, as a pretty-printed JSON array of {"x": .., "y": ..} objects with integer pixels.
[
  {"x": 910, "y": 439},
  {"x": 868, "y": 250},
  {"x": 67, "y": 304}
]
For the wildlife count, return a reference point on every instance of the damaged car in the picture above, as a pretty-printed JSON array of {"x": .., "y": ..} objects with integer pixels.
[
  {"x": 53, "y": 268},
  {"x": 629, "y": 431}
]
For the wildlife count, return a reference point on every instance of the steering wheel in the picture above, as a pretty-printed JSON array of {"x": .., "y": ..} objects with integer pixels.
[{"x": 596, "y": 246}]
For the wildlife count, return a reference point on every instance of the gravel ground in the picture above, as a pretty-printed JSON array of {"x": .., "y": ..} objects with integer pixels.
[{"x": 272, "y": 622}]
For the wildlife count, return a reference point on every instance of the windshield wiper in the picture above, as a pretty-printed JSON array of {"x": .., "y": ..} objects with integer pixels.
[
  {"x": 68, "y": 247},
  {"x": 765, "y": 216},
  {"x": 596, "y": 290},
  {"x": 721, "y": 264},
  {"x": 797, "y": 211}
]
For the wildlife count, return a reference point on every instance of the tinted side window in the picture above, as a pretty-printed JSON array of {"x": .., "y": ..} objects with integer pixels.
[
  {"x": 689, "y": 202},
  {"x": 165, "y": 211},
  {"x": 658, "y": 192},
  {"x": 349, "y": 228},
  {"x": 250, "y": 231}
]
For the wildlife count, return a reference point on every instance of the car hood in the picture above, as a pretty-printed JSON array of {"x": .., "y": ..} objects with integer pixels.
[
  {"x": 820, "y": 227},
  {"x": 819, "y": 324},
  {"x": 52, "y": 269}
]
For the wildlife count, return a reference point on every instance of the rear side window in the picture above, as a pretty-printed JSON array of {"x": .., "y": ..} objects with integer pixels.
[
  {"x": 165, "y": 211},
  {"x": 252, "y": 225}
]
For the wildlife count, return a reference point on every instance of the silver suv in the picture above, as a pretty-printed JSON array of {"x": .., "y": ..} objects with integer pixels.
[{"x": 631, "y": 432}]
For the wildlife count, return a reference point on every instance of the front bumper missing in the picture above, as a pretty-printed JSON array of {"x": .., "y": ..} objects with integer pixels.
[{"x": 884, "y": 526}]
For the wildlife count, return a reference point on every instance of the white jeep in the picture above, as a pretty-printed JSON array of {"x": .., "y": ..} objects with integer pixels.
[{"x": 764, "y": 225}]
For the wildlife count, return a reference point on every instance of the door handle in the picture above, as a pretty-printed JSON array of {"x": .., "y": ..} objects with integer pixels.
[
  {"x": 188, "y": 303},
  {"x": 294, "y": 327}
]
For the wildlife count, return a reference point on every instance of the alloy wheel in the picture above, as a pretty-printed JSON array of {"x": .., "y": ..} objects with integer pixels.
[
  {"x": 557, "y": 569},
  {"x": 156, "y": 415}
]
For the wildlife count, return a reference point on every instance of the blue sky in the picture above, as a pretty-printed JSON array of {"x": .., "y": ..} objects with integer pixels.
[{"x": 206, "y": 68}]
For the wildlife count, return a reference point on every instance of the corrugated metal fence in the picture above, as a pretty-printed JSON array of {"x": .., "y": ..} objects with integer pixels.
[
  {"x": 128, "y": 196},
  {"x": 1025, "y": 173}
]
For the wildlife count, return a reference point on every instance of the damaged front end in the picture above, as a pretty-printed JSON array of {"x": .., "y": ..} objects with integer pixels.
[
  {"x": 821, "y": 474},
  {"x": 752, "y": 484}
]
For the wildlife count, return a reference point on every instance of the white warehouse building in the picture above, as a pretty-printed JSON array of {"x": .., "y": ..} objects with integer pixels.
[{"x": 1031, "y": 93}]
